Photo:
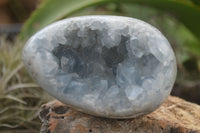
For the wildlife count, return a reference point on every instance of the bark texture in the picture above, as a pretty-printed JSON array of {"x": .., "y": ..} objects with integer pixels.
[{"x": 173, "y": 116}]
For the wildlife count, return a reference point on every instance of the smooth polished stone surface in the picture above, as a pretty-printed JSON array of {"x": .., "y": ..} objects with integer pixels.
[{"x": 108, "y": 66}]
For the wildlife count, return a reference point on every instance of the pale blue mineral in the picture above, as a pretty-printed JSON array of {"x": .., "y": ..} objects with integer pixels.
[{"x": 108, "y": 66}]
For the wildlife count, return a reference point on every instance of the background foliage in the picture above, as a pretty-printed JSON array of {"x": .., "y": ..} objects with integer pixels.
[{"x": 21, "y": 98}]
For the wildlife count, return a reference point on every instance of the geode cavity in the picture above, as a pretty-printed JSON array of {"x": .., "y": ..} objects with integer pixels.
[{"x": 108, "y": 66}]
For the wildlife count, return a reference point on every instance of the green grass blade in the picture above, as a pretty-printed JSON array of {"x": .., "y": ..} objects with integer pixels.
[{"x": 52, "y": 10}]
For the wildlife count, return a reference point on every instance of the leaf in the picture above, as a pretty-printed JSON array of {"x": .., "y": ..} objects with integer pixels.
[
  {"x": 49, "y": 11},
  {"x": 194, "y": 48},
  {"x": 188, "y": 42}
]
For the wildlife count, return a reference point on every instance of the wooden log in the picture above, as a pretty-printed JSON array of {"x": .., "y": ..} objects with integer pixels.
[{"x": 173, "y": 116}]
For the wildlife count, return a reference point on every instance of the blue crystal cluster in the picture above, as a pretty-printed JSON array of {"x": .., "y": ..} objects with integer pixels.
[{"x": 108, "y": 66}]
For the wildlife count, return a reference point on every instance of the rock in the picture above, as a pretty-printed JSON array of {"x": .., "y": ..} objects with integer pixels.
[
  {"x": 173, "y": 116},
  {"x": 108, "y": 66}
]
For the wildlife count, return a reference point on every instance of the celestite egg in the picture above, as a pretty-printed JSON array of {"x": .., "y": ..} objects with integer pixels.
[{"x": 108, "y": 66}]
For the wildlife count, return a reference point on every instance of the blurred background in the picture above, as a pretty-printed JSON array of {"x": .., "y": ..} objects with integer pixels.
[{"x": 21, "y": 97}]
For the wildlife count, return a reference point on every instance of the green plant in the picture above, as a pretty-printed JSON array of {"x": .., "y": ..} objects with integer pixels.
[{"x": 20, "y": 97}]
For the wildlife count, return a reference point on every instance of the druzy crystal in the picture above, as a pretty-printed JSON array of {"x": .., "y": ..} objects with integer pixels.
[{"x": 108, "y": 66}]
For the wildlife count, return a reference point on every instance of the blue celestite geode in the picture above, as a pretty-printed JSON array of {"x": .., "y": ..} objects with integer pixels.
[{"x": 108, "y": 66}]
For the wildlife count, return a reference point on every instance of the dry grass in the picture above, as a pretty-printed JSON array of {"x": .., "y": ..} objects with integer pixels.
[{"x": 20, "y": 97}]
